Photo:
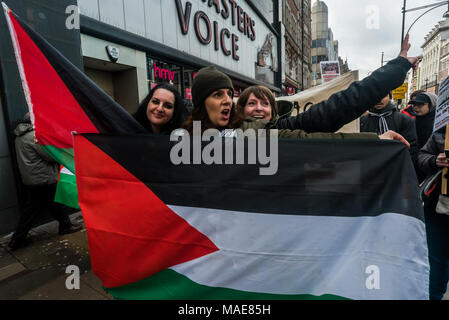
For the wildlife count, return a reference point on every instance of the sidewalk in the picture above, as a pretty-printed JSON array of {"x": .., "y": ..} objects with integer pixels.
[{"x": 37, "y": 271}]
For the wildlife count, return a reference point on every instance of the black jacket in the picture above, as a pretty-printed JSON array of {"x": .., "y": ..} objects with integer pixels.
[
  {"x": 424, "y": 128},
  {"x": 401, "y": 123},
  {"x": 427, "y": 157},
  {"x": 347, "y": 105},
  {"x": 424, "y": 124}
]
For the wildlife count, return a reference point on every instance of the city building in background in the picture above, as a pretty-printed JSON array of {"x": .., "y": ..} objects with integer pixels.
[
  {"x": 297, "y": 55},
  {"x": 169, "y": 41},
  {"x": 434, "y": 56},
  {"x": 324, "y": 48},
  {"x": 344, "y": 67}
]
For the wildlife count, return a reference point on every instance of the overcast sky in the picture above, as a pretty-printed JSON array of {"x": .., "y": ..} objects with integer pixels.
[{"x": 363, "y": 45}]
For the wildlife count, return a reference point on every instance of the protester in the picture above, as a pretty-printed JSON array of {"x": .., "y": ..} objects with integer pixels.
[
  {"x": 212, "y": 93},
  {"x": 162, "y": 110},
  {"x": 341, "y": 108},
  {"x": 424, "y": 106},
  {"x": 384, "y": 116},
  {"x": 432, "y": 158},
  {"x": 39, "y": 173},
  {"x": 409, "y": 110}
]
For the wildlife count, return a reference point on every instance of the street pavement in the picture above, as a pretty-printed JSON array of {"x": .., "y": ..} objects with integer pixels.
[{"x": 38, "y": 271}]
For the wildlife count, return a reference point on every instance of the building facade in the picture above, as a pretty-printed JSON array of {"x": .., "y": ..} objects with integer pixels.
[
  {"x": 324, "y": 48},
  {"x": 170, "y": 40},
  {"x": 431, "y": 68},
  {"x": 296, "y": 19}
]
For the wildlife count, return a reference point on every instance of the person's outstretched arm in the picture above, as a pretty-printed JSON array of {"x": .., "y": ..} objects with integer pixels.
[{"x": 347, "y": 105}]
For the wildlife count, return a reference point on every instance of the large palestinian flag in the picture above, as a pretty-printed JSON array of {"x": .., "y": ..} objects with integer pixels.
[
  {"x": 60, "y": 97},
  {"x": 61, "y": 100},
  {"x": 339, "y": 219}
]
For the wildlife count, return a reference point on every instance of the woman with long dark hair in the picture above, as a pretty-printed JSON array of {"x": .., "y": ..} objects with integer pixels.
[{"x": 162, "y": 111}]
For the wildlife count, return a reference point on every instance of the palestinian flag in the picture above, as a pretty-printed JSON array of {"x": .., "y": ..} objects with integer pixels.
[
  {"x": 61, "y": 99},
  {"x": 339, "y": 220}
]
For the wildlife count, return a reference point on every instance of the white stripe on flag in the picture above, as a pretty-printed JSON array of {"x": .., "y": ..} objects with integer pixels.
[
  {"x": 64, "y": 170},
  {"x": 288, "y": 254}
]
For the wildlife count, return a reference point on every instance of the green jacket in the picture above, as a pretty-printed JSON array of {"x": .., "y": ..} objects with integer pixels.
[{"x": 300, "y": 134}]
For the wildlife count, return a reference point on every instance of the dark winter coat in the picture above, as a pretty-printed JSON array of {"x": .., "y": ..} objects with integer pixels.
[
  {"x": 347, "y": 105},
  {"x": 399, "y": 122},
  {"x": 35, "y": 165},
  {"x": 427, "y": 158},
  {"x": 424, "y": 124}
]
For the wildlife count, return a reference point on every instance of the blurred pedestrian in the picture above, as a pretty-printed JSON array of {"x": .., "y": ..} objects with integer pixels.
[
  {"x": 409, "y": 110},
  {"x": 424, "y": 106},
  {"x": 39, "y": 174}
]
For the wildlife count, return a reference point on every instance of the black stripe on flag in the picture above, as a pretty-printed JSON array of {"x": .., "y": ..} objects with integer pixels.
[
  {"x": 106, "y": 114},
  {"x": 314, "y": 177}
]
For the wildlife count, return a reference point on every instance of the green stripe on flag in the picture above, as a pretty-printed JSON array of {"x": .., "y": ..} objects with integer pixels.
[
  {"x": 64, "y": 156},
  {"x": 66, "y": 191},
  {"x": 169, "y": 284}
]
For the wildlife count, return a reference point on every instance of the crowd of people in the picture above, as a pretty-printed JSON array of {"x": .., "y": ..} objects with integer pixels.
[{"x": 163, "y": 111}]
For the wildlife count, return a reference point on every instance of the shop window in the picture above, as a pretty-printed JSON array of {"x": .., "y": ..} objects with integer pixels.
[{"x": 160, "y": 71}]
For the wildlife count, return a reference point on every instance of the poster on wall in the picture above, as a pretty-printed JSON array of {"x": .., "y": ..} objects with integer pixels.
[{"x": 329, "y": 70}]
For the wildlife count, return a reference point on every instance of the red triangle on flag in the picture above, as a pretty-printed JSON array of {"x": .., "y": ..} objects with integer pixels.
[
  {"x": 132, "y": 234},
  {"x": 55, "y": 111}
]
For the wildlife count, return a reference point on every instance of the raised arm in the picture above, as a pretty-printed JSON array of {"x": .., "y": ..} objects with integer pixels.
[{"x": 347, "y": 105}]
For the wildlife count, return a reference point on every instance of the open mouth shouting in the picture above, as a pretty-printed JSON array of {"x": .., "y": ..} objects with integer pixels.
[{"x": 225, "y": 113}]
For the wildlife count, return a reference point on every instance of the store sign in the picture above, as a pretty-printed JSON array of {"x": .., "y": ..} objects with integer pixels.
[
  {"x": 113, "y": 53},
  {"x": 222, "y": 37},
  {"x": 162, "y": 73},
  {"x": 399, "y": 92}
]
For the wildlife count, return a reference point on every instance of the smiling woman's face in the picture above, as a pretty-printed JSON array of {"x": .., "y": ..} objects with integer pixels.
[
  {"x": 218, "y": 106},
  {"x": 160, "y": 109},
  {"x": 257, "y": 108}
]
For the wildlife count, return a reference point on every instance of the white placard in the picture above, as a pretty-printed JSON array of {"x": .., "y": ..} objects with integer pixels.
[{"x": 442, "y": 110}]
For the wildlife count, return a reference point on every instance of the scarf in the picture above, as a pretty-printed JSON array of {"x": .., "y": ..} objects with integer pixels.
[{"x": 383, "y": 127}]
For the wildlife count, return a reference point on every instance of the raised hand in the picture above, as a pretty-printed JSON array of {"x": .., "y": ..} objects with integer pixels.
[{"x": 404, "y": 50}]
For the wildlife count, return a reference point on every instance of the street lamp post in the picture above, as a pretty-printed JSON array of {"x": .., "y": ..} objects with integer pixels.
[{"x": 431, "y": 6}]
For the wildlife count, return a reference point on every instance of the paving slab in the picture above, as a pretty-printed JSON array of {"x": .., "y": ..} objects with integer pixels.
[
  {"x": 57, "y": 290},
  {"x": 11, "y": 270},
  {"x": 91, "y": 280},
  {"x": 6, "y": 258}
]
